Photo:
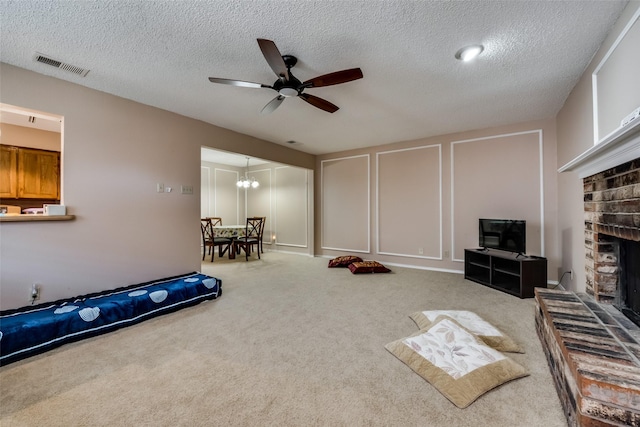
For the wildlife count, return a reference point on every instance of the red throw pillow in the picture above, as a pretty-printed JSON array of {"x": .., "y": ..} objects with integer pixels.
[
  {"x": 368, "y": 267},
  {"x": 343, "y": 261}
]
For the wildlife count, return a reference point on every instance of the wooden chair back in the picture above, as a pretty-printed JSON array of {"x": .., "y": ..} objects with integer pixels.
[
  {"x": 215, "y": 220},
  {"x": 251, "y": 237},
  {"x": 254, "y": 226},
  {"x": 206, "y": 229}
]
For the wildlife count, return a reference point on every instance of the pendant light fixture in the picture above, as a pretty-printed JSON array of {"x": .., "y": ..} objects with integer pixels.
[{"x": 245, "y": 182}]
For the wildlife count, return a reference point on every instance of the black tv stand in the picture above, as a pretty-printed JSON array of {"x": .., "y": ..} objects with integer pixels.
[{"x": 515, "y": 274}]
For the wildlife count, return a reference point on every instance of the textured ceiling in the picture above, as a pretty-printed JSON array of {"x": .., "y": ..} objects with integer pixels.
[{"x": 161, "y": 53}]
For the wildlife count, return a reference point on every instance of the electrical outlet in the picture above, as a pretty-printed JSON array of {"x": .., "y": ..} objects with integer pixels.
[
  {"x": 446, "y": 254},
  {"x": 631, "y": 117},
  {"x": 420, "y": 251}
]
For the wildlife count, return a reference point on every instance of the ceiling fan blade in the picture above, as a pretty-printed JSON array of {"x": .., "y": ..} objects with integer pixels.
[
  {"x": 274, "y": 58},
  {"x": 272, "y": 105},
  {"x": 236, "y": 82},
  {"x": 335, "y": 78},
  {"x": 319, "y": 102}
]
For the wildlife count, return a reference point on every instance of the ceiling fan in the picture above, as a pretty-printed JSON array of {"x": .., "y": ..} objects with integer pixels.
[{"x": 287, "y": 85}]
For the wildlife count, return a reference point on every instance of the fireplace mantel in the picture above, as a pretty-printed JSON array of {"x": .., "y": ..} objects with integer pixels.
[{"x": 619, "y": 147}]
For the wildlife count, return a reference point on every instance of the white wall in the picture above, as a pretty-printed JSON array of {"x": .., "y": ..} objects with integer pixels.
[{"x": 115, "y": 151}]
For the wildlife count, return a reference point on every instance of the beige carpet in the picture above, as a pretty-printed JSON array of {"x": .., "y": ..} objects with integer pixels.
[{"x": 289, "y": 343}]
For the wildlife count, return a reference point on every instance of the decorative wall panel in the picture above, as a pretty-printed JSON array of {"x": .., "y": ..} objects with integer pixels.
[
  {"x": 225, "y": 189},
  {"x": 497, "y": 177},
  {"x": 291, "y": 207},
  {"x": 345, "y": 204},
  {"x": 259, "y": 200},
  {"x": 409, "y": 202}
]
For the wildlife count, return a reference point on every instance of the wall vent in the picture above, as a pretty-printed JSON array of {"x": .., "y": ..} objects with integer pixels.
[{"x": 45, "y": 59}]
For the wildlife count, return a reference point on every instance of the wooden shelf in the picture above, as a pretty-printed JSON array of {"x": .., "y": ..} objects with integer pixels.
[
  {"x": 35, "y": 218},
  {"x": 505, "y": 271}
]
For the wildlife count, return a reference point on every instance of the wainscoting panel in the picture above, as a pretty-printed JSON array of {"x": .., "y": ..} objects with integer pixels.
[
  {"x": 497, "y": 177},
  {"x": 409, "y": 202},
  {"x": 291, "y": 207},
  {"x": 259, "y": 200},
  {"x": 226, "y": 190},
  {"x": 345, "y": 204},
  {"x": 206, "y": 201}
]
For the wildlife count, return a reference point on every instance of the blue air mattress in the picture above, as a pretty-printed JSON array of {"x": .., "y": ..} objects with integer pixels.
[{"x": 34, "y": 329}]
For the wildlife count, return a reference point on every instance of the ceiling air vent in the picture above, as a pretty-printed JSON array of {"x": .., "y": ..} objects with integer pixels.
[{"x": 39, "y": 57}]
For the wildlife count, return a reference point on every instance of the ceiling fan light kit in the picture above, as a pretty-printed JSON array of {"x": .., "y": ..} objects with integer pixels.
[
  {"x": 287, "y": 85},
  {"x": 469, "y": 53}
]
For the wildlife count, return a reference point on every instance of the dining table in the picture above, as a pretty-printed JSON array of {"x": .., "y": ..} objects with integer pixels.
[{"x": 230, "y": 232}]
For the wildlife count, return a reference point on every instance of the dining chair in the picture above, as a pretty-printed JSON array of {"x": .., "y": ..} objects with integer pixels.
[
  {"x": 264, "y": 221},
  {"x": 207, "y": 236},
  {"x": 210, "y": 240},
  {"x": 251, "y": 237}
]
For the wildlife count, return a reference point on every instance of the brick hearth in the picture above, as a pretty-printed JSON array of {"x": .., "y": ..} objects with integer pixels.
[{"x": 594, "y": 356}]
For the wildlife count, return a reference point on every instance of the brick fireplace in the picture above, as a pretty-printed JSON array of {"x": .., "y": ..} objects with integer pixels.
[
  {"x": 593, "y": 349},
  {"x": 612, "y": 215}
]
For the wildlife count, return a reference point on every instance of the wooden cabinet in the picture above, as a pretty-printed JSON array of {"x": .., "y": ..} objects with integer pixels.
[
  {"x": 38, "y": 174},
  {"x": 28, "y": 173},
  {"x": 511, "y": 273},
  {"x": 8, "y": 171}
]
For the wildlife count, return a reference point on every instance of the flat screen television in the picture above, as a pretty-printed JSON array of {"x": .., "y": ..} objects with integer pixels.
[{"x": 503, "y": 234}]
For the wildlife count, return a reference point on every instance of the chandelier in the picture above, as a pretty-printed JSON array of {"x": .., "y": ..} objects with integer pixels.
[{"x": 245, "y": 182}]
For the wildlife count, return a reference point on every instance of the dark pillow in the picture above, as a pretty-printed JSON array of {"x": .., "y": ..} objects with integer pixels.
[
  {"x": 343, "y": 261},
  {"x": 367, "y": 267}
]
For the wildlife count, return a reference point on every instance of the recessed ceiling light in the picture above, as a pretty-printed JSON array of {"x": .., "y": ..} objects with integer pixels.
[{"x": 468, "y": 53}]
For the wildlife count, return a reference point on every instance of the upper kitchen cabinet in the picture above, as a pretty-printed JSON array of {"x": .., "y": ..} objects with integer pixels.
[
  {"x": 38, "y": 174},
  {"x": 28, "y": 173},
  {"x": 8, "y": 171}
]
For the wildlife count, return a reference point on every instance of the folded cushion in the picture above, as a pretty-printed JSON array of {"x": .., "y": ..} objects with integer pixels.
[
  {"x": 489, "y": 334},
  {"x": 455, "y": 361},
  {"x": 343, "y": 261},
  {"x": 367, "y": 267}
]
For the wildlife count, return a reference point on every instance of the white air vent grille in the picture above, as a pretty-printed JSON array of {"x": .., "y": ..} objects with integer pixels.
[{"x": 39, "y": 57}]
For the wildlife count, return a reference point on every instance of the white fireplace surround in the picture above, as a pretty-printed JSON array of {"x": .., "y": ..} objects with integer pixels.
[{"x": 619, "y": 147}]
